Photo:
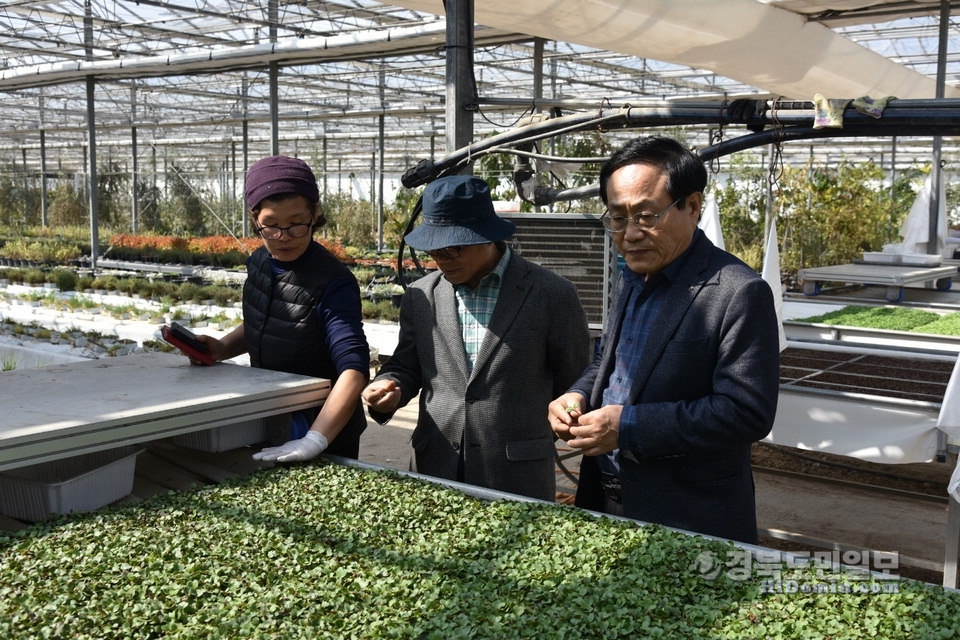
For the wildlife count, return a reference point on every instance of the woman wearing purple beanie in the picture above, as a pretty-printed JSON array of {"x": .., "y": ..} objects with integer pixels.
[{"x": 301, "y": 311}]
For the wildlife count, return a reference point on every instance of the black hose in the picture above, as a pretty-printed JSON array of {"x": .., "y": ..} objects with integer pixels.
[
  {"x": 401, "y": 277},
  {"x": 781, "y": 122}
]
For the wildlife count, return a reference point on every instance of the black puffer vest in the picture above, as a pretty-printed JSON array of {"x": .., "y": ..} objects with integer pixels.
[
  {"x": 281, "y": 329},
  {"x": 279, "y": 313}
]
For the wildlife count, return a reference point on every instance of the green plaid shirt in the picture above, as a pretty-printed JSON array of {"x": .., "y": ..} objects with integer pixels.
[{"x": 475, "y": 308}]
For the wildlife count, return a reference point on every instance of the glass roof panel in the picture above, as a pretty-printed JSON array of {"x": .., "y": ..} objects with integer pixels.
[{"x": 361, "y": 60}]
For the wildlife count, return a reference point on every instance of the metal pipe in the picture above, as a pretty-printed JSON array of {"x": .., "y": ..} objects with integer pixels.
[
  {"x": 936, "y": 174},
  {"x": 460, "y": 81},
  {"x": 236, "y": 58},
  {"x": 791, "y": 121}
]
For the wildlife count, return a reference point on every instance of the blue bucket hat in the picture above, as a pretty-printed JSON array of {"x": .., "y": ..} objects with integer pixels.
[{"x": 458, "y": 210}]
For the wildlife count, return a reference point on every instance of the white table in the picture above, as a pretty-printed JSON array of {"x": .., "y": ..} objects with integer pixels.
[
  {"x": 63, "y": 410},
  {"x": 894, "y": 277}
]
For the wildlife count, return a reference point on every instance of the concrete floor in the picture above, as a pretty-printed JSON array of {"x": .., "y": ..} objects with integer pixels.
[{"x": 389, "y": 445}]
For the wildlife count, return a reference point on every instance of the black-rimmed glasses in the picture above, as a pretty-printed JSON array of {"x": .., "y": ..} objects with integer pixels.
[
  {"x": 269, "y": 232},
  {"x": 644, "y": 220},
  {"x": 450, "y": 253}
]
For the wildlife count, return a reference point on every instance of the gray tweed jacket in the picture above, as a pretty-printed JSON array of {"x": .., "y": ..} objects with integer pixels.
[{"x": 495, "y": 418}]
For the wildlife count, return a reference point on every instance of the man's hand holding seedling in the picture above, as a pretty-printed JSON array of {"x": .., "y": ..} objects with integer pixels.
[{"x": 564, "y": 412}]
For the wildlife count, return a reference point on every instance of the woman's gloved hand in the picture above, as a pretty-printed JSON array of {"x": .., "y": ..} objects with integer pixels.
[{"x": 305, "y": 448}]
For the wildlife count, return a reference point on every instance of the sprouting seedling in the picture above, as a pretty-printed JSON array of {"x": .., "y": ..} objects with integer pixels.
[{"x": 573, "y": 406}]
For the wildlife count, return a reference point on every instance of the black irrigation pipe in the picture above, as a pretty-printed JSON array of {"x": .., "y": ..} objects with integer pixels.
[
  {"x": 777, "y": 122},
  {"x": 781, "y": 122}
]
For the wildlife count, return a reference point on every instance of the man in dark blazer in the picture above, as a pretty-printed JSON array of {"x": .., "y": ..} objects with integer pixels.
[
  {"x": 487, "y": 341},
  {"x": 687, "y": 376}
]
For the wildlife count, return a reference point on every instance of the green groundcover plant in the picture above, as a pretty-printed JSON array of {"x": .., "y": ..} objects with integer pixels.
[
  {"x": 892, "y": 319},
  {"x": 328, "y": 551}
]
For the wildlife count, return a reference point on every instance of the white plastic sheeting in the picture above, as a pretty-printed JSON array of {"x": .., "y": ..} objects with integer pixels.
[
  {"x": 771, "y": 273},
  {"x": 745, "y": 40},
  {"x": 710, "y": 221},
  {"x": 915, "y": 229},
  {"x": 887, "y": 433},
  {"x": 949, "y": 422}
]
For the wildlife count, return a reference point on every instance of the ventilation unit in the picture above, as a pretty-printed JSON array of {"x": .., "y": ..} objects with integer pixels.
[{"x": 575, "y": 246}]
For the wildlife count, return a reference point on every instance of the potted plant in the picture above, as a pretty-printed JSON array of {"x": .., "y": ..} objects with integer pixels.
[{"x": 396, "y": 294}]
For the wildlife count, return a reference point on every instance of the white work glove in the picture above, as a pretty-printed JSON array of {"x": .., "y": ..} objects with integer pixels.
[{"x": 305, "y": 448}]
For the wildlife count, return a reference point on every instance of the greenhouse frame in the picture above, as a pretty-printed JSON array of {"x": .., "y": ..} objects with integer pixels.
[{"x": 364, "y": 90}]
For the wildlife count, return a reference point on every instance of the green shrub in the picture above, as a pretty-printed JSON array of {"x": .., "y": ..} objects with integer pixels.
[
  {"x": 382, "y": 309},
  {"x": 229, "y": 259},
  {"x": 64, "y": 253},
  {"x": 34, "y": 277},
  {"x": 364, "y": 275},
  {"x": 349, "y": 221},
  {"x": 65, "y": 279},
  {"x": 106, "y": 283},
  {"x": 158, "y": 289},
  {"x": 130, "y": 286},
  {"x": 128, "y": 254},
  {"x": 188, "y": 291},
  {"x": 41, "y": 250},
  {"x": 221, "y": 294}
]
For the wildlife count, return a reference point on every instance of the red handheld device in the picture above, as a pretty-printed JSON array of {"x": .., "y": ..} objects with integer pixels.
[{"x": 184, "y": 339}]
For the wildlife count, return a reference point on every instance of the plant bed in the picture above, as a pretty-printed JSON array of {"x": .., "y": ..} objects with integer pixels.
[
  {"x": 882, "y": 376},
  {"x": 890, "y": 319},
  {"x": 322, "y": 550}
]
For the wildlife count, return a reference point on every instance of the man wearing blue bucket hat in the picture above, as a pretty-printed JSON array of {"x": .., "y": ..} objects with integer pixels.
[{"x": 487, "y": 341}]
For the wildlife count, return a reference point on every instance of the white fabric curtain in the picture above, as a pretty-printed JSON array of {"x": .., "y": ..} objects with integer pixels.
[
  {"x": 710, "y": 221},
  {"x": 752, "y": 42}
]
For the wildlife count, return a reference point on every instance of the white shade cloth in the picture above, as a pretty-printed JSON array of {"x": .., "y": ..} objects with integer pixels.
[
  {"x": 915, "y": 229},
  {"x": 949, "y": 422},
  {"x": 771, "y": 273},
  {"x": 866, "y": 430},
  {"x": 710, "y": 221},
  {"x": 752, "y": 42}
]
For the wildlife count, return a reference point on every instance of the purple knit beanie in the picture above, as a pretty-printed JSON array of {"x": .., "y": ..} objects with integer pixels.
[{"x": 278, "y": 175}]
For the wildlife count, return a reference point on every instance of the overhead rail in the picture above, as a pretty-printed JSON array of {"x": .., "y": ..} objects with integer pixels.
[
  {"x": 769, "y": 122},
  {"x": 359, "y": 45}
]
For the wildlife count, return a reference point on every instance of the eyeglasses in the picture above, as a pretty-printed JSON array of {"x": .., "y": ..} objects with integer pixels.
[
  {"x": 449, "y": 253},
  {"x": 294, "y": 231},
  {"x": 644, "y": 220}
]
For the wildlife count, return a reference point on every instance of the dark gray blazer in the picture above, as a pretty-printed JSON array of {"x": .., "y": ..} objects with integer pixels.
[
  {"x": 706, "y": 388},
  {"x": 536, "y": 345}
]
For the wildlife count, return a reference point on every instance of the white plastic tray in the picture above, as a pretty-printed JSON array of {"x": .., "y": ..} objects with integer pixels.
[
  {"x": 81, "y": 483},
  {"x": 231, "y": 436}
]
